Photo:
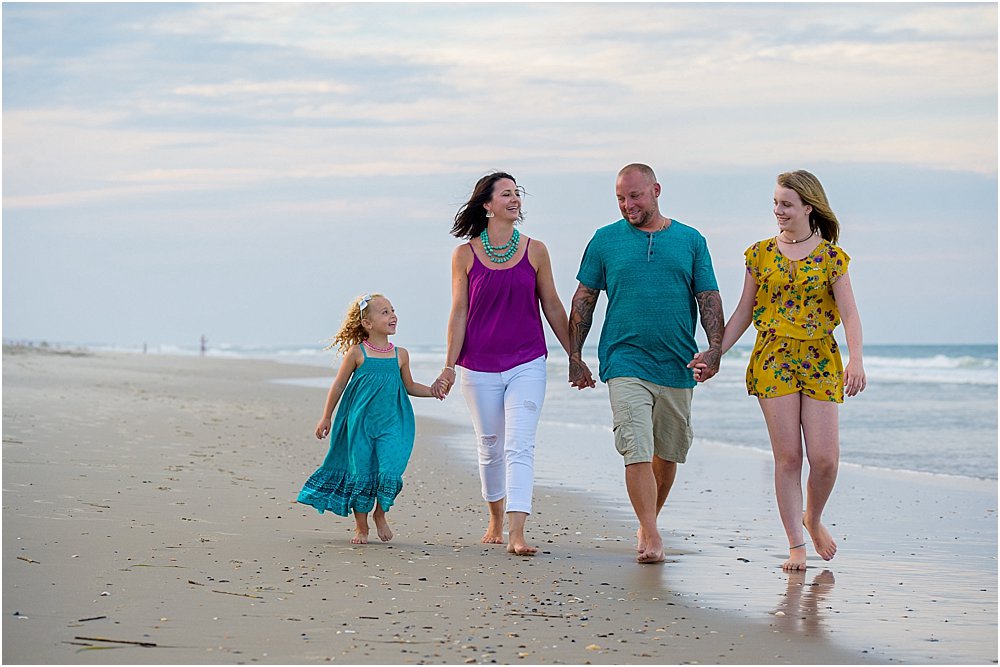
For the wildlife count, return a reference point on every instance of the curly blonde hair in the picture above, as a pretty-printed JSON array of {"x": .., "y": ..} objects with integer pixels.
[{"x": 352, "y": 331}]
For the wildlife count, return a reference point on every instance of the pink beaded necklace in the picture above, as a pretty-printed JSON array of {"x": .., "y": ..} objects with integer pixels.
[{"x": 373, "y": 348}]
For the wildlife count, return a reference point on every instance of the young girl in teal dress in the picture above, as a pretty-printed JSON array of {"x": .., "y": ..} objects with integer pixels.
[{"x": 372, "y": 435}]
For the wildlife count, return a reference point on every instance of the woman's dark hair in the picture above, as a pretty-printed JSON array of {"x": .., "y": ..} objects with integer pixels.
[{"x": 471, "y": 219}]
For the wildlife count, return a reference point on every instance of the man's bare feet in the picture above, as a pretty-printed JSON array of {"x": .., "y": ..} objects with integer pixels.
[
  {"x": 796, "y": 558},
  {"x": 382, "y": 526},
  {"x": 822, "y": 540},
  {"x": 652, "y": 550},
  {"x": 651, "y": 556}
]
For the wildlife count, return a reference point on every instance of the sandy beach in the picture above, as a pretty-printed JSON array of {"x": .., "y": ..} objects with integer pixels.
[{"x": 149, "y": 517}]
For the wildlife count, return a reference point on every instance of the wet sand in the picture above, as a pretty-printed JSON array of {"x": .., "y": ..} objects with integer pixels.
[{"x": 149, "y": 517}]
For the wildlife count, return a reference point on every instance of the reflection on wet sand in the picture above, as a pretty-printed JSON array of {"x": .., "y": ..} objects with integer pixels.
[{"x": 801, "y": 607}]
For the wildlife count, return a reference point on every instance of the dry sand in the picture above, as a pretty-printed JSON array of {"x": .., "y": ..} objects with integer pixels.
[{"x": 149, "y": 517}]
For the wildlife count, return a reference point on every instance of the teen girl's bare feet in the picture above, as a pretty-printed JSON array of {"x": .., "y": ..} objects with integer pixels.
[
  {"x": 796, "y": 558},
  {"x": 822, "y": 540}
]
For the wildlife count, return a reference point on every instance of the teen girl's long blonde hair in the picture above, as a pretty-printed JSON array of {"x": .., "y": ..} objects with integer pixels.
[
  {"x": 352, "y": 331},
  {"x": 810, "y": 190}
]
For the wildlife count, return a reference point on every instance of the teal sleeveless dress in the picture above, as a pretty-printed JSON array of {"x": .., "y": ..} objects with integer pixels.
[{"x": 370, "y": 443}]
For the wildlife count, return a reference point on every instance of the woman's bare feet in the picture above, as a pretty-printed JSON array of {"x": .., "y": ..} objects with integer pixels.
[
  {"x": 822, "y": 540},
  {"x": 494, "y": 532},
  {"x": 517, "y": 543},
  {"x": 520, "y": 547},
  {"x": 382, "y": 525},
  {"x": 796, "y": 558}
]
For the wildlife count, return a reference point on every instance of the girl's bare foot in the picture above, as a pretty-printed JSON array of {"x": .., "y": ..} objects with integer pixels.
[
  {"x": 640, "y": 543},
  {"x": 382, "y": 525},
  {"x": 360, "y": 528},
  {"x": 796, "y": 558},
  {"x": 822, "y": 540}
]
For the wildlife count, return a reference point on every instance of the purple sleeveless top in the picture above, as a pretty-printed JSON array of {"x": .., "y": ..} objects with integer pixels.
[{"x": 504, "y": 326}]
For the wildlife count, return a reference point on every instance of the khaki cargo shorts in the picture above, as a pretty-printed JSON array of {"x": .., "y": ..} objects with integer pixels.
[{"x": 650, "y": 419}]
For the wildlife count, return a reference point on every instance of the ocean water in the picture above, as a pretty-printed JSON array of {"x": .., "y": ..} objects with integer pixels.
[{"x": 927, "y": 408}]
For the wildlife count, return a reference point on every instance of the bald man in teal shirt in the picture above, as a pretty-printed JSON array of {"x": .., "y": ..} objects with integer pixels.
[{"x": 658, "y": 276}]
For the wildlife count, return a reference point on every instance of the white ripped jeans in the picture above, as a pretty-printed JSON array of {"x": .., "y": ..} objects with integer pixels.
[{"x": 505, "y": 408}]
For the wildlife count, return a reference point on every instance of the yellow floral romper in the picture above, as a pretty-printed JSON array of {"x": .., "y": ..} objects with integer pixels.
[{"x": 795, "y": 314}]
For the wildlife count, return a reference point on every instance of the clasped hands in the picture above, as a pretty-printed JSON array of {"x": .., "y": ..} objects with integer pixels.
[
  {"x": 444, "y": 382},
  {"x": 704, "y": 364}
]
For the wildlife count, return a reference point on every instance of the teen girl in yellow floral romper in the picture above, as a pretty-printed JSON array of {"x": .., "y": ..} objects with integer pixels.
[
  {"x": 795, "y": 292},
  {"x": 795, "y": 314}
]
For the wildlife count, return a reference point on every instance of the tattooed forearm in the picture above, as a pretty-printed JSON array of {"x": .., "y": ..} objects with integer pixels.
[
  {"x": 712, "y": 319},
  {"x": 581, "y": 317}
]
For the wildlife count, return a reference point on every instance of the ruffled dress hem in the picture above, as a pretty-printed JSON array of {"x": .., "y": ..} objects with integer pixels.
[{"x": 343, "y": 494}]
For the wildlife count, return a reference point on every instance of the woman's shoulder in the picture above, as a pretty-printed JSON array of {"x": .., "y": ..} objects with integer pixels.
[
  {"x": 768, "y": 245},
  {"x": 535, "y": 246}
]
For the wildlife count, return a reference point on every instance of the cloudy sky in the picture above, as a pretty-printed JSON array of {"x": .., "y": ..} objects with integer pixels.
[{"x": 242, "y": 171}]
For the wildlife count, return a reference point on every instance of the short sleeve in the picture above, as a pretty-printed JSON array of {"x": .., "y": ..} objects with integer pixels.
[
  {"x": 592, "y": 273},
  {"x": 836, "y": 263},
  {"x": 751, "y": 256},
  {"x": 704, "y": 274}
]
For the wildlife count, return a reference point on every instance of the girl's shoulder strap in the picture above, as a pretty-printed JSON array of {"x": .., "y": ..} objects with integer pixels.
[{"x": 361, "y": 346}]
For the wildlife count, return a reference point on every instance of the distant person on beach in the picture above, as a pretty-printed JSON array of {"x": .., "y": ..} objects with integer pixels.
[
  {"x": 500, "y": 281},
  {"x": 796, "y": 290},
  {"x": 372, "y": 435},
  {"x": 658, "y": 276}
]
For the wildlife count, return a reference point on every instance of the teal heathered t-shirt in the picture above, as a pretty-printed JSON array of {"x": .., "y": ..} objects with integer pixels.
[{"x": 651, "y": 280}]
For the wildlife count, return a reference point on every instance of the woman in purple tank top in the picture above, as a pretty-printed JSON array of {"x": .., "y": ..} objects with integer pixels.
[{"x": 501, "y": 283}]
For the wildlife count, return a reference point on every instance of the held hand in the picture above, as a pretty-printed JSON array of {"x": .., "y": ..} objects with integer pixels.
[
  {"x": 705, "y": 364},
  {"x": 323, "y": 428},
  {"x": 442, "y": 385},
  {"x": 698, "y": 366},
  {"x": 439, "y": 389},
  {"x": 854, "y": 378},
  {"x": 580, "y": 375}
]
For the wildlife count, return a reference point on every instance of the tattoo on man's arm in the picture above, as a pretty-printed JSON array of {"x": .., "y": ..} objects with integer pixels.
[
  {"x": 712, "y": 318},
  {"x": 581, "y": 317}
]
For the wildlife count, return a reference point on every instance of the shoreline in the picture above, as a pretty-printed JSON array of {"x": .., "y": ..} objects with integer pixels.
[{"x": 169, "y": 483}]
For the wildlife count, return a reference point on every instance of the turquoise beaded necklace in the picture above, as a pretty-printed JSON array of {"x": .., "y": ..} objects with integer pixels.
[{"x": 496, "y": 253}]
